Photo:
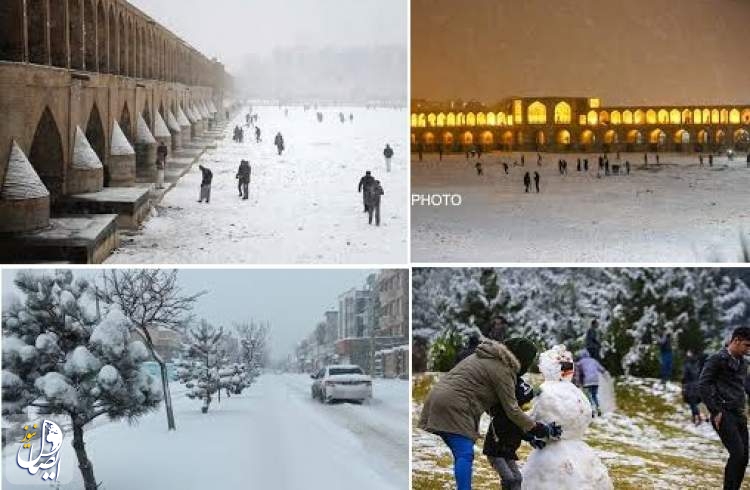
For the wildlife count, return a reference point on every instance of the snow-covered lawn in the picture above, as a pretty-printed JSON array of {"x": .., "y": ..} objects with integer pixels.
[
  {"x": 273, "y": 436},
  {"x": 648, "y": 442},
  {"x": 677, "y": 211},
  {"x": 303, "y": 206}
]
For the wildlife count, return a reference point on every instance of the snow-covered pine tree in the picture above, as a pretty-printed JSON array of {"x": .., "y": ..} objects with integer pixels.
[
  {"x": 253, "y": 347},
  {"x": 234, "y": 378},
  {"x": 60, "y": 357},
  {"x": 199, "y": 368}
]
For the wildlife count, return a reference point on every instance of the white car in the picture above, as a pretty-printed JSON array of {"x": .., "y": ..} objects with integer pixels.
[{"x": 341, "y": 382}]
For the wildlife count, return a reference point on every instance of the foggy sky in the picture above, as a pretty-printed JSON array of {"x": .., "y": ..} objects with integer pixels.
[
  {"x": 293, "y": 301},
  {"x": 230, "y": 29},
  {"x": 626, "y": 52}
]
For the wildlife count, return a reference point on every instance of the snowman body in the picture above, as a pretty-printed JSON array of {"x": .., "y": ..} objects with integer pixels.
[{"x": 567, "y": 464}]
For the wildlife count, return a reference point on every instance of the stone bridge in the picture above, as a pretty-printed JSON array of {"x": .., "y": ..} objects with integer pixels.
[{"x": 88, "y": 88}]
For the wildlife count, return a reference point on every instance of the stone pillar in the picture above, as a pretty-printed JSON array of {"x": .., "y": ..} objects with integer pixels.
[
  {"x": 195, "y": 122},
  {"x": 121, "y": 161},
  {"x": 161, "y": 132},
  {"x": 86, "y": 172},
  {"x": 174, "y": 129},
  {"x": 24, "y": 200},
  {"x": 145, "y": 152},
  {"x": 185, "y": 127}
]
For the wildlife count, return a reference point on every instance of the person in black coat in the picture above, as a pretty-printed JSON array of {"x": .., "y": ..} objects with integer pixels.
[
  {"x": 690, "y": 391},
  {"x": 503, "y": 439},
  {"x": 206, "y": 178},
  {"x": 536, "y": 181},
  {"x": 593, "y": 345},
  {"x": 527, "y": 181},
  {"x": 388, "y": 154},
  {"x": 243, "y": 178},
  {"x": 279, "y": 142},
  {"x": 365, "y": 187},
  {"x": 722, "y": 389}
]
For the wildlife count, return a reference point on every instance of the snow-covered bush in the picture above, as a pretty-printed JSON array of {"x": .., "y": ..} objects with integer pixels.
[
  {"x": 61, "y": 357},
  {"x": 199, "y": 369}
]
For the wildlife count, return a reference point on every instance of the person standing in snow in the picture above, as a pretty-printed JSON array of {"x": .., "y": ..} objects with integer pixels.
[
  {"x": 480, "y": 170},
  {"x": 365, "y": 186},
  {"x": 505, "y": 167},
  {"x": 420, "y": 150},
  {"x": 440, "y": 153},
  {"x": 206, "y": 178},
  {"x": 161, "y": 162},
  {"x": 257, "y": 134},
  {"x": 593, "y": 345},
  {"x": 690, "y": 391},
  {"x": 665, "y": 356},
  {"x": 627, "y": 166},
  {"x": 279, "y": 142},
  {"x": 388, "y": 154},
  {"x": 527, "y": 182},
  {"x": 243, "y": 179},
  {"x": 483, "y": 380},
  {"x": 373, "y": 204},
  {"x": 588, "y": 372},
  {"x": 536, "y": 181},
  {"x": 503, "y": 439},
  {"x": 722, "y": 389}
]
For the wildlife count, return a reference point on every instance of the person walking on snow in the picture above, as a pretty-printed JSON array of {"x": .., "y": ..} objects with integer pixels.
[
  {"x": 483, "y": 380},
  {"x": 161, "y": 162},
  {"x": 206, "y": 178},
  {"x": 722, "y": 389},
  {"x": 665, "y": 356},
  {"x": 257, "y": 134},
  {"x": 365, "y": 186},
  {"x": 388, "y": 154},
  {"x": 373, "y": 204},
  {"x": 279, "y": 142},
  {"x": 690, "y": 391},
  {"x": 589, "y": 370},
  {"x": 536, "y": 181},
  {"x": 527, "y": 182},
  {"x": 243, "y": 179}
]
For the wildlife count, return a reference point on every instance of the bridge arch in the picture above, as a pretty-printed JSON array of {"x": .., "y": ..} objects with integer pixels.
[{"x": 46, "y": 154}]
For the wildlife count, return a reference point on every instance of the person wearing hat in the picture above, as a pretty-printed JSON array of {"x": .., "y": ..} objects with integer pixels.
[{"x": 483, "y": 380}]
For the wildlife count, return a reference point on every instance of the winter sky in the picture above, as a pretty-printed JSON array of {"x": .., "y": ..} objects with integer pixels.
[
  {"x": 230, "y": 29},
  {"x": 293, "y": 301}
]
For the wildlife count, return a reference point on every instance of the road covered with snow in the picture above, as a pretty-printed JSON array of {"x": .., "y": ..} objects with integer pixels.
[
  {"x": 303, "y": 206},
  {"x": 676, "y": 211},
  {"x": 274, "y": 435}
]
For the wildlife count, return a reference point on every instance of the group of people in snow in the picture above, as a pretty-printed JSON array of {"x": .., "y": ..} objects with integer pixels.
[{"x": 371, "y": 191}]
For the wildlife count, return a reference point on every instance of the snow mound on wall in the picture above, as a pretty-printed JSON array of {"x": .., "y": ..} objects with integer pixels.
[
  {"x": 21, "y": 180},
  {"x": 565, "y": 465},
  {"x": 172, "y": 123},
  {"x": 192, "y": 115},
  {"x": 211, "y": 107},
  {"x": 182, "y": 118},
  {"x": 120, "y": 145},
  {"x": 160, "y": 129},
  {"x": 143, "y": 134},
  {"x": 84, "y": 157}
]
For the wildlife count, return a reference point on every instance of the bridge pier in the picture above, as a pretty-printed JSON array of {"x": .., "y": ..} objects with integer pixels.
[
  {"x": 145, "y": 152},
  {"x": 121, "y": 161}
]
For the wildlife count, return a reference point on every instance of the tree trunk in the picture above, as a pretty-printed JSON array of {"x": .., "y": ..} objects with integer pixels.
[
  {"x": 167, "y": 395},
  {"x": 87, "y": 471}
]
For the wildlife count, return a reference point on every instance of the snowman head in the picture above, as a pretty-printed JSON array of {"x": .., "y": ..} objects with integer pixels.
[{"x": 556, "y": 364}]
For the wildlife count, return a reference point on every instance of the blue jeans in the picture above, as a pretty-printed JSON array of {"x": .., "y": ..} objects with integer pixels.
[
  {"x": 463, "y": 458},
  {"x": 593, "y": 393},
  {"x": 666, "y": 366}
]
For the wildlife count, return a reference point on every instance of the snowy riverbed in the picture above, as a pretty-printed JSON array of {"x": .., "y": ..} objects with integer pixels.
[
  {"x": 303, "y": 205},
  {"x": 274, "y": 435},
  {"x": 677, "y": 211}
]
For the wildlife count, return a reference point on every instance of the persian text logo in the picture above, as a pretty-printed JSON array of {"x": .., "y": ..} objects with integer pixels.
[{"x": 47, "y": 457}]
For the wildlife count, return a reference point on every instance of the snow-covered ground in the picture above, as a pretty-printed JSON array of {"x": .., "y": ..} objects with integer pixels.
[
  {"x": 647, "y": 442},
  {"x": 303, "y": 206},
  {"x": 677, "y": 211},
  {"x": 273, "y": 436}
]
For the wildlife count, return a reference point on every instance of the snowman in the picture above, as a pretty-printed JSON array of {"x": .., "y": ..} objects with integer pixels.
[{"x": 569, "y": 463}]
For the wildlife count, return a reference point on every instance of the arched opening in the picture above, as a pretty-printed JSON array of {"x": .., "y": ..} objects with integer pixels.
[
  {"x": 687, "y": 117},
  {"x": 508, "y": 139},
  {"x": 46, "y": 155},
  {"x": 487, "y": 139},
  {"x": 742, "y": 139},
  {"x": 414, "y": 120},
  {"x": 122, "y": 40},
  {"x": 125, "y": 123},
  {"x": 97, "y": 139},
  {"x": 563, "y": 137},
  {"x": 715, "y": 116},
  {"x": 587, "y": 138},
  {"x": 604, "y": 117},
  {"x": 101, "y": 38},
  {"x": 471, "y": 119},
  {"x": 37, "y": 31},
  {"x": 663, "y": 116},
  {"x": 441, "y": 120},
  {"x": 422, "y": 121},
  {"x": 431, "y": 120},
  {"x": 450, "y": 120},
  {"x": 520, "y": 138},
  {"x": 675, "y": 117},
  {"x": 610, "y": 137},
  {"x": 697, "y": 116},
  {"x": 89, "y": 17},
  {"x": 11, "y": 25},
  {"x": 428, "y": 138},
  {"x": 616, "y": 118},
  {"x": 57, "y": 30},
  {"x": 114, "y": 65},
  {"x": 540, "y": 139},
  {"x": 132, "y": 49},
  {"x": 639, "y": 117},
  {"x": 721, "y": 137},
  {"x": 467, "y": 138},
  {"x": 460, "y": 119},
  {"x": 635, "y": 137},
  {"x": 563, "y": 113},
  {"x": 536, "y": 113},
  {"x": 627, "y": 117},
  {"x": 502, "y": 120},
  {"x": 746, "y": 116},
  {"x": 491, "y": 119},
  {"x": 682, "y": 138},
  {"x": 658, "y": 137},
  {"x": 592, "y": 118},
  {"x": 481, "y": 119},
  {"x": 703, "y": 137},
  {"x": 724, "y": 116},
  {"x": 651, "y": 116},
  {"x": 734, "y": 116},
  {"x": 706, "y": 116},
  {"x": 448, "y": 139}
]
